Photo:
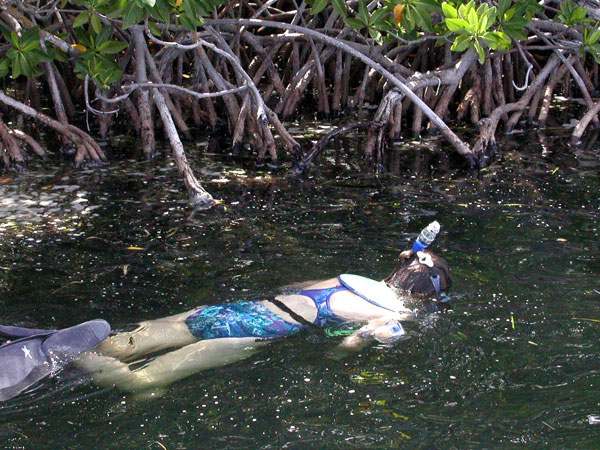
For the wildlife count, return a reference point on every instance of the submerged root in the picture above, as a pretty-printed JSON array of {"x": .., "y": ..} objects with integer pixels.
[
  {"x": 487, "y": 127},
  {"x": 35, "y": 145},
  {"x": 13, "y": 156},
  {"x": 300, "y": 167},
  {"x": 87, "y": 149},
  {"x": 389, "y": 115},
  {"x": 415, "y": 83},
  {"x": 584, "y": 123},
  {"x": 147, "y": 127}
]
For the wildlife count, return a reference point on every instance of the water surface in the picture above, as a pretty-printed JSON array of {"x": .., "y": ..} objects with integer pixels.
[{"x": 514, "y": 363}]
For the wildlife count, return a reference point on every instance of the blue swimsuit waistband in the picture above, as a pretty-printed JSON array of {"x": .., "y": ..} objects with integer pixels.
[{"x": 321, "y": 297}]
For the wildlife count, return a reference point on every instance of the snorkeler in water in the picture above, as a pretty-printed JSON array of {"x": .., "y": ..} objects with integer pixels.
[
  {"x": 162, "y": 351},
  {"x": 214, "y": 336}
]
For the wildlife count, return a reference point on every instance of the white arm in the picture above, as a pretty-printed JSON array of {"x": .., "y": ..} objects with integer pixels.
[{"x": 385, "y": 331}]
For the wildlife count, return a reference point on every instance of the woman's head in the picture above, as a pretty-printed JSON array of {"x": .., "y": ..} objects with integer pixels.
[{"x": 421, "y": 274}]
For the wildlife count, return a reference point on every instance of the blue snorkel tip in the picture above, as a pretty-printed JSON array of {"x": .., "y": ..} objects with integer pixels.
[{"x": 418, "y": 246}]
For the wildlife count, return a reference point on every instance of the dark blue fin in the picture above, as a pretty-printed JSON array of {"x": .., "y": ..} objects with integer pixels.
[
  {"x": 26, "y": 361},
  {"x": 19, "y": 332}
]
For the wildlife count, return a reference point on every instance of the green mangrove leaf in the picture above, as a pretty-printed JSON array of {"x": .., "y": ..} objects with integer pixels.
[
  {"x": 503, "y": 6},
  {"x": 480, "y": 51},
  {"x": 486, "y": 18},
  {"x": 17, "y": 70},
  {"x": 457, "y": 25},
  {"x": 378, "y": 17},
  {"x": 96, "y": 24},
  {"x": 515, "y": 32},
  {"x": 473, "y": 18},
  {"x": 103, "y": 36},
  {"x": 81, "y": 19},
  {"x": 14, "y": 39},
  {"x": 132, "y": 15},
  {"x": 420, "y": 13},
  {"x": 154, "y": 29},
  {"x": 319, "y": 6},
  {"x": 363, "y": 12},
  {"x": 590, "y": 37},
  {"x": 30, "y": 39},
  {"x": 355, "y": 23},
  {"x": 490, "y": 40},
  {"x": 376, "y": 35},
  {"x": 37, "y": 56},
  {"x": 503, "y": 39},
  {"x": 112, "y": 47},
  {"x": 193, "y": 13},
  {"x": 187, "y": 23},
  {"x": 461, "y": 43},
  {"x": 449, "y": 11},
  {"x": 4, "y": 67},
  {"x": 340, "y": 7},
  {"x": 509, "y": 14}
]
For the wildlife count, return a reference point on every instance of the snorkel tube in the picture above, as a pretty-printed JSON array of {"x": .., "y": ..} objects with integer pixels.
[{"x": 427, "y": 236}]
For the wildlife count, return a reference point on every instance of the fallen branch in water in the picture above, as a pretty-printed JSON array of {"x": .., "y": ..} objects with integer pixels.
[{"x": 199, "y": 197}]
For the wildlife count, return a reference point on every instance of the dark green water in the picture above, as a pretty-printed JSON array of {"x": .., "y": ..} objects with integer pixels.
[{"x": 515, "y": 364}]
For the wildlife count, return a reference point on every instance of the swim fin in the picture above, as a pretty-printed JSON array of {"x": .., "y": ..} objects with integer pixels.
[
  {"x": 35, "y": 356},
  {"x": 19, "y": 332}
]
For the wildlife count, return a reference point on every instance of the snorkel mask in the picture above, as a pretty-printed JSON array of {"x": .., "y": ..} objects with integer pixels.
[
  {"x": 426, "y": 260},
  {"x": 435, "y": 276}
]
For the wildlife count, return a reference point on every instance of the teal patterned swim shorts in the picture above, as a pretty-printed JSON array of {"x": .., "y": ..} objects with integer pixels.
[{"x": 243, "y": 319}]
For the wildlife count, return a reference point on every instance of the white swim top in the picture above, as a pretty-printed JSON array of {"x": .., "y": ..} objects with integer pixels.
[{"x": 376, "y": 292}]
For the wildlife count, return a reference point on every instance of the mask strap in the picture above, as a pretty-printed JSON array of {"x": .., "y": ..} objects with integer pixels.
[{"x": 435, "y": 280}]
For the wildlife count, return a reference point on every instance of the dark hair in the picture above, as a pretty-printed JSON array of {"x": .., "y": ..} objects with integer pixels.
[{"x": 415, "y": 278}]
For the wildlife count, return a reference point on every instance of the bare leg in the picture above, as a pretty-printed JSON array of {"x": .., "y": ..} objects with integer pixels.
[
  {"x": 149, "y": 337},
  {"x": 170, "y": 367}
]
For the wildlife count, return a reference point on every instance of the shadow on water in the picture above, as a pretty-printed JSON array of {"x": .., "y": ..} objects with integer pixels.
[{"x": 514, "y": 363}]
